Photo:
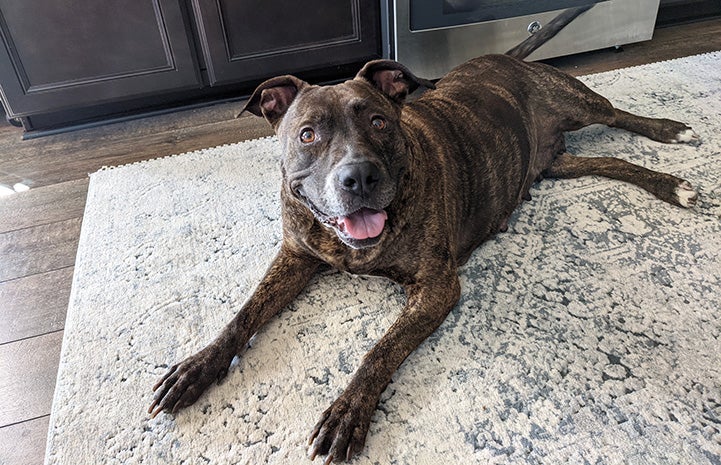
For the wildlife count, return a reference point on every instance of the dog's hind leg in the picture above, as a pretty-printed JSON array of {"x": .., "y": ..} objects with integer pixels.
[
  {"x": 582, "y": 107},
  {"x": 661, "y": 130},
  {"x": 666, "y": 187}
]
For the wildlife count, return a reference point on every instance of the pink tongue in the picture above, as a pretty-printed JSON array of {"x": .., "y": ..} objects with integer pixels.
[{"x": 364, "y": 223}]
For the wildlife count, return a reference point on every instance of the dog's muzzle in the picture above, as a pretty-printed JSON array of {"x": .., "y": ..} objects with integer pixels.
[
  {"x": 355, "y": 190},
  {"x": 359, "y": 181}
]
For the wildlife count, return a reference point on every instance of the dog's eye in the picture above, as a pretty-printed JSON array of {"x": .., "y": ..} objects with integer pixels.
[
  {"x": 307, "y": 136},
  {"x": 378, "y": 122}
]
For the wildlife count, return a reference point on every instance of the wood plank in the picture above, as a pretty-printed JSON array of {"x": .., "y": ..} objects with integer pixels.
[
  {"x": 68, "y": 157},
  {"x": 28, "y": 370},
  {"x": 44, "y": 205},
  {"x": 34, "y": 304},
  {"x": 667, "y": 44},
  {"x": 38, "y": 249},
  {"x": 24, "y": 443},
  {"x": 131, "y": 129}
]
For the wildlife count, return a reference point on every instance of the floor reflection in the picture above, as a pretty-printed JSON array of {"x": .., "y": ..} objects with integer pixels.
[{"x": 17, "y": 187}]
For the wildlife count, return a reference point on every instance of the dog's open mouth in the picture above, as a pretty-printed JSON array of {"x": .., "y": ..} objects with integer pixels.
[
  {"x": 362, "y": 228},
  {"x": 365, "y": 223}
]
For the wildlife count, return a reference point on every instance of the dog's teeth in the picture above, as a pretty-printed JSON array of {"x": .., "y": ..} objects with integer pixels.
[
  {"x": 685, "y": 194},
  {"x": 687, "y": 136}
]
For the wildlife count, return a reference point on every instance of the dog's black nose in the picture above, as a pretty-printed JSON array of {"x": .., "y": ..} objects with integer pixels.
[{"x": 359, "y": 178}]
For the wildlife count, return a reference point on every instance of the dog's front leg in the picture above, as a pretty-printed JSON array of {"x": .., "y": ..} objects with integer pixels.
[
  {"x": 186, "y": 381},
  {"x": 342, "y": 429}
]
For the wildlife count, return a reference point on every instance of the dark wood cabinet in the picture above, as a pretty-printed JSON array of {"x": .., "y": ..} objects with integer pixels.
[
  {"x": 251, "y": 39},
  {"x": 74, "y": 53},
  {"x": 66, "y": 61}
]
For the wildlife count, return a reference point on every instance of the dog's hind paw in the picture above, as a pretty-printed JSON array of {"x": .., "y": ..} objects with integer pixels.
[
  {"x": 686, "y": 196},
  {"x": 687, "y": 136}
]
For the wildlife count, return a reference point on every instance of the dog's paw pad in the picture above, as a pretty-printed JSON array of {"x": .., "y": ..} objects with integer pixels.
[
  {"x": 687, "y": 136},
  {"x": 686, "y": 195}
]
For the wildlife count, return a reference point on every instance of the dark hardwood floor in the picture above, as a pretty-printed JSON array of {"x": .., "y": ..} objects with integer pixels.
[{"x": 39, "y": 229}]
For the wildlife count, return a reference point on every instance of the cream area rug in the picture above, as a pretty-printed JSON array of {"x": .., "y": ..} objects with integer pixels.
[{"x": 590, "y": 332}]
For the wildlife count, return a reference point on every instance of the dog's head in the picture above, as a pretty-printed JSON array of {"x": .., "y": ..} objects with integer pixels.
[{"x": 344, "y": 150}]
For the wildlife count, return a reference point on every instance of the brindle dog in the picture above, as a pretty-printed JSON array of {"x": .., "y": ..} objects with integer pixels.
[{"x": 407, "y": 191}]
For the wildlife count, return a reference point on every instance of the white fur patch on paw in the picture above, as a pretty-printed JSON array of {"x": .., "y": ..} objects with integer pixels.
[
  {"x": 685, "y": 194},
  {"x": 687, "y": 136}
]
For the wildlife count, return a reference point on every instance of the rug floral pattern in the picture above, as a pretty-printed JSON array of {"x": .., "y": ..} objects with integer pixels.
[{"x": 590, "y": 332}]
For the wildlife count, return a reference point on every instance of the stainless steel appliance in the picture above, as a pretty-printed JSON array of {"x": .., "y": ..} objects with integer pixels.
[{"x": 432, "y": 36}]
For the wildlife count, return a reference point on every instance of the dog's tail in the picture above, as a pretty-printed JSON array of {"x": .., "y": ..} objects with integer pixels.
[{"x": 529, "y": 45}]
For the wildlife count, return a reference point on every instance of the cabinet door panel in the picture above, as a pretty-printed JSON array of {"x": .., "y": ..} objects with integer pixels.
[
  {"x": 252, "y": 39},
  {"x": 60, "y": 55}
]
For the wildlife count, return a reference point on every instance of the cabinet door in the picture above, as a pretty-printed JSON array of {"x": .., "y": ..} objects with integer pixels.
[
  {"x": 254, "y": 39},
  {"x": 59, "y": 55}
]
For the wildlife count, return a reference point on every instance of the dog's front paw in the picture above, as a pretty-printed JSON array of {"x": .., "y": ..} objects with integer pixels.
[
  {"x": 185, "y": 382},
  {"x": 341, "y": 432}
]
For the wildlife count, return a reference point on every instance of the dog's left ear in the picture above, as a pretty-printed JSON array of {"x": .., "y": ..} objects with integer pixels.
[
  {"x": 392, "y": 78},
  {"x": 272, "y": 98}
]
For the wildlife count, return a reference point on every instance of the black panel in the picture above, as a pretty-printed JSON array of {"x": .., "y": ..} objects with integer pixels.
[
  {"x": 58, "y": 47},
  {"x": 78, "y": 52},
  {"x": 253, "y": 39},
  {"x": 258, "y": 27}
]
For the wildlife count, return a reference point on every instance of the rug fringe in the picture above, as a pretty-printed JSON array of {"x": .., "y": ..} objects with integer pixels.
[
  {"x": 105, "y": 168},
  {"x": 698, "y": 55}
]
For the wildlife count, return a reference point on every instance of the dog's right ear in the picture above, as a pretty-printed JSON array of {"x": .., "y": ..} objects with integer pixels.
[{"x": 272, "y": 98}]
